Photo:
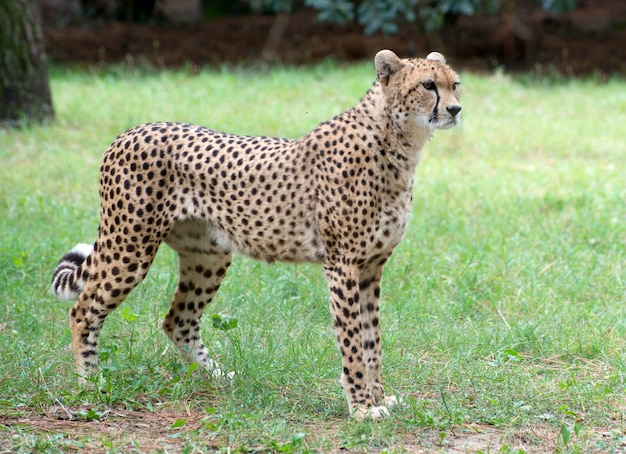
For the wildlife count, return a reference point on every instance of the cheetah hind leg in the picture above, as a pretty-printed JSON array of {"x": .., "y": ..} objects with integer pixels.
[
  {"x": 103, "y": 292},
  {"x": 200, "y": 276}
]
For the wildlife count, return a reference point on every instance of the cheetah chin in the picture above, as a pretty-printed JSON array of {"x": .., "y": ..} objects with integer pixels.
[{"x": 339, "y": 196}]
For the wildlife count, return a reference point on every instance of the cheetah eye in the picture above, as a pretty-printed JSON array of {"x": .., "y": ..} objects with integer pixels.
[
  {"x": 455, "y": 86},
  {"x": 429, "y": 85}
]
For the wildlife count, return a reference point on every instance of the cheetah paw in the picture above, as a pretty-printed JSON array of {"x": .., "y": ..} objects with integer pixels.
[
  {"x": 218, "y": 373},
  {"x": 391, "y": 401},
  {"x": 364, "y": 413},
  {"x": 221, "y": 375},
  {"x": 216, "y": 370}
]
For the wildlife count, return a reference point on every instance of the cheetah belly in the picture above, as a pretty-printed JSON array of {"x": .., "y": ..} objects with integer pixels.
[
  {"x": 290, "y": 241},
  {"x": 286, "y": 241}
]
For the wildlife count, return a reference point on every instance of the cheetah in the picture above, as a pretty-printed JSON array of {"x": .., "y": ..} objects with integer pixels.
[{"x": 340, "y": 196}]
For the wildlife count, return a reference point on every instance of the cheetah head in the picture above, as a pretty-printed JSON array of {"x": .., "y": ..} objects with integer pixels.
[{"x": 419, "y": 93}]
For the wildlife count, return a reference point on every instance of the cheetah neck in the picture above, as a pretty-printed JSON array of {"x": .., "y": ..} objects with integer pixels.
[{"x": 398, "y": 150}]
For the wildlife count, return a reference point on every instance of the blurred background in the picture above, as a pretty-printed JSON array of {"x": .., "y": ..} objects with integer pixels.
[
  {"x": 567, "y": 38},
  {"x": 572, "y": 37}
]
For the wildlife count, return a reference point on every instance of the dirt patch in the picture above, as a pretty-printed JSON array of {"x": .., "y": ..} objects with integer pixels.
[
  {"x": 156, "y": 432},
  {"x": 173, "y": 431},
  {"x": 125, "y": 430},
  {"x": 588, "y": 40}
]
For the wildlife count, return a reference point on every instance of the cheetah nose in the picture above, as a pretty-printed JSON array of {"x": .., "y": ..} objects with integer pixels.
[{"x": 453, "y": 110}]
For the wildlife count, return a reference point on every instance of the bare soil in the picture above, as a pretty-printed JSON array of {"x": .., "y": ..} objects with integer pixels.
[
  {"x": 588, "y": 40},
  {"x": 161, "y": 430}
]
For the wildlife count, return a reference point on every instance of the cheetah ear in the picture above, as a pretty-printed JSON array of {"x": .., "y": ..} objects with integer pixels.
[
  {"x": 387, "y": 63},
  {"x": 436, "y": 56}
]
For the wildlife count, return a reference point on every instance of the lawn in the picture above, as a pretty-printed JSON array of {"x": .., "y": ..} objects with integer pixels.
[{"x": 503, "y": 310}]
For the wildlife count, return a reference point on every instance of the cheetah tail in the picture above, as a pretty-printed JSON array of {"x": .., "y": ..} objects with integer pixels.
[{"x": 67, "y": 280}]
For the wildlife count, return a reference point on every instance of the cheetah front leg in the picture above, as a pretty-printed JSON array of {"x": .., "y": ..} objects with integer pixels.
[
  {"x": 369, "y": 286},
  {"x": 343, "y": 285}
]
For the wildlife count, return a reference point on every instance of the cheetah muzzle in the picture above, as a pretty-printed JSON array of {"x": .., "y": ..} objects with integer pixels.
[{"x": 340, "y": 196}]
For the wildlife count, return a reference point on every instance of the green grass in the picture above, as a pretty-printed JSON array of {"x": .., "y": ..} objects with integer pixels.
[{"x": 503, "y": 308}]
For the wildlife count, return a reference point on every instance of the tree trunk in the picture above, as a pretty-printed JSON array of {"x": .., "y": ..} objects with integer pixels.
[{"x": 24, "y": 87}]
